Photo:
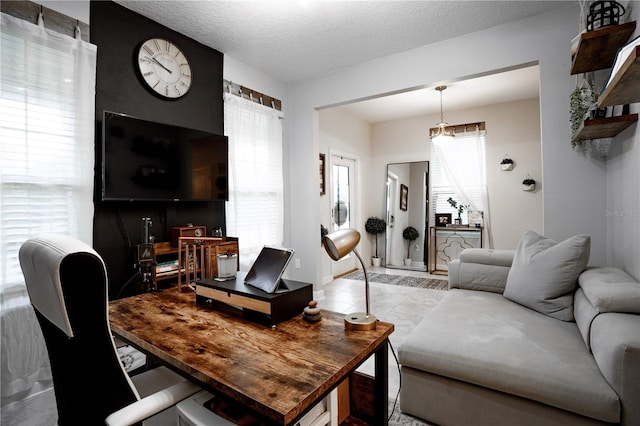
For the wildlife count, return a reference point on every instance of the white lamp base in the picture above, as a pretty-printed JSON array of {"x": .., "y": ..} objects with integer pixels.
[{"x": 360, "y": 321}]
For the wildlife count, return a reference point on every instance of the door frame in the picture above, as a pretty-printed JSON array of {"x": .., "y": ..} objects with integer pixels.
[{"x": 349, "y": 262}]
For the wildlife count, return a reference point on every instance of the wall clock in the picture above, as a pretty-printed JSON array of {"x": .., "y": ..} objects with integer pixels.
[{"x": 164, "y": 68}]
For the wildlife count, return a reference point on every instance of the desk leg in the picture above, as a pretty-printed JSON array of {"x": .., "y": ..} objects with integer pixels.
[{"x": 381, "y": 385}]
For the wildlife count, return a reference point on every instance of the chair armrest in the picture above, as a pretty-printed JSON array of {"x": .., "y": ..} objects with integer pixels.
[
  {"x": 152, "y": 404},
  {"x": 481, "y": 269}
]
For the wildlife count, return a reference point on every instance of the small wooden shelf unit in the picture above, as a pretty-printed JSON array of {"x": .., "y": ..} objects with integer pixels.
[
  {"x": 164, "y": 252},
  {"x": 596, "y": 51}
]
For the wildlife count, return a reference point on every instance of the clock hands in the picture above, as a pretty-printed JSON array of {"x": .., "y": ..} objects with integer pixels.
[{"x": 158, "y": 62}]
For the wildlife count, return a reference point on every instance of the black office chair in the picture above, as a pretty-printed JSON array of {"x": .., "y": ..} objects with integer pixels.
[{"x": 67, "y": 284}]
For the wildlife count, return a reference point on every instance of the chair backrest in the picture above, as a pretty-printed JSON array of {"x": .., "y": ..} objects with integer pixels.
[{"x": 67, "y": 285}]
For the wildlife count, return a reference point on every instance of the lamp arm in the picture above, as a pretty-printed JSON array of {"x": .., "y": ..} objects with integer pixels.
[{"x": 366, "y": 280}]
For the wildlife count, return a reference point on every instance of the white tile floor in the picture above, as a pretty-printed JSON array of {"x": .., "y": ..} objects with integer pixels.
[{"x": 402, "y": 306}]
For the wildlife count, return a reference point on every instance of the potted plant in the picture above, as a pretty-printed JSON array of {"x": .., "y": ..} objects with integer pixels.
[
  {"x": 459, "y": 207},
  {"x": 410, "y": 234},
  {"x": 528, "y": 184},
  {"x": 506, "y": 164},
  {"x": 375, "y": 226}
]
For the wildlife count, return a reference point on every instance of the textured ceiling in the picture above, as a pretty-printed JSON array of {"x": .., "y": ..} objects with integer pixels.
[{"x": 293, "y": 40}]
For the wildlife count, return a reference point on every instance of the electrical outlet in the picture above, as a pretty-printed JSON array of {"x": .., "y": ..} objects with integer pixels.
[
  {"x": 297, "y": 263},
  {"x": 417, "y": 247}
]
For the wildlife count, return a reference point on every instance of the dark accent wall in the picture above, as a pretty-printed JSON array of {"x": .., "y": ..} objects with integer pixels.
[{"x": 117, "y": 32}]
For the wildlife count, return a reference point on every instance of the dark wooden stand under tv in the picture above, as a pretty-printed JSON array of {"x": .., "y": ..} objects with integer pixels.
[
  {"x": 270, "y": 308},
  {"x": 166, "y": 270}
]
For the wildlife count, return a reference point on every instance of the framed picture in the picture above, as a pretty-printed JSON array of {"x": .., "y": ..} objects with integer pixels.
[
  {"x": 476, "y": 219},
  {"x": 322, "y": 180},
  {"x": 404, "y": 197},
  {"x": 443, "y": 219}
]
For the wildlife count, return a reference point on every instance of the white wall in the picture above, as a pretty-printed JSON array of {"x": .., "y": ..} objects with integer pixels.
[
  {"x": 512, "y": 128},
  {"x": 568, "y": 179},
  {"x": 622, "y": 209},
  {"x": 344, "y": 134}
]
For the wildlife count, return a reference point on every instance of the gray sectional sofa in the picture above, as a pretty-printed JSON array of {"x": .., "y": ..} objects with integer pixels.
[{"x": 491, "y": 354}]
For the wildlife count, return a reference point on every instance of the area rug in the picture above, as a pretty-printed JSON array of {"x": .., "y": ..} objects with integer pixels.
[{"x": 400, "y": 280}]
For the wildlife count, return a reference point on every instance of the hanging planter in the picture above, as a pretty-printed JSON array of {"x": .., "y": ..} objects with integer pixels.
[
  {"x": 581, "y": 101},
  {"x": 528, "y": 184},
  {"x": 506, "y": 164}
]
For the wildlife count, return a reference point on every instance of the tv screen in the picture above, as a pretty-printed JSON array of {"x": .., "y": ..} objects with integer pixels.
[{"x": 148, "y": 161}]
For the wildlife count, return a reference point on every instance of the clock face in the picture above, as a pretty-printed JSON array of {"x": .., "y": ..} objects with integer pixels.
[{"x": 164, "y": 68}]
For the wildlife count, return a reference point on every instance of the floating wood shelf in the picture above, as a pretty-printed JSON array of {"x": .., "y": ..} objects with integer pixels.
[
  {"x": 624, "y": 87},
  {"x": 597, "y": 49},
  {"x": 608, "y": 127}
]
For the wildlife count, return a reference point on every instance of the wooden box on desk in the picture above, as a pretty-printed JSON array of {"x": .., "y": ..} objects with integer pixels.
[
  {"x": 271, "y": 308},
  {"x": 186, "y": 231}
]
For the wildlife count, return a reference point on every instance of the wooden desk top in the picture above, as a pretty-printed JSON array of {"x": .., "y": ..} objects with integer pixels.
[{"x": 278, "y": 372}]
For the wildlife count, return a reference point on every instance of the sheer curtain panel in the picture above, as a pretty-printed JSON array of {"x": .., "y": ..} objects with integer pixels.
[
  {"x": 254, "y": 212},
  {"x": 458, "y": 170},
  {"x": 47, "y": 97}
]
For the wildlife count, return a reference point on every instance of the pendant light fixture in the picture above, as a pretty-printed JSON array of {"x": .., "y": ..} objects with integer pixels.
[{"x": 441, "y": 134}]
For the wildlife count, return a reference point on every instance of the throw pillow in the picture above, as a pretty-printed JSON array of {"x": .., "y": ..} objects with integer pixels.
[{"x": 545, "y": 273}]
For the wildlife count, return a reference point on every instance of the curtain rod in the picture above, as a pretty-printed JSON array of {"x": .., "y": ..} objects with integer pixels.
[
  {"x": 56, "y": 21},
  {"x": 253, "y": 95},
  {"x": 462, "y": 128}
]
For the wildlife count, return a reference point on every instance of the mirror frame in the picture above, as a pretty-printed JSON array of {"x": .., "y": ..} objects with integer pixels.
[{"x": 400, "y": 203}]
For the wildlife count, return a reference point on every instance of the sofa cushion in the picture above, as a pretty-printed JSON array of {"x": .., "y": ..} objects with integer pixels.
[
  {"x": 487, "y": 256},
  {"x": 484, "y": 339},
  {"x": 611, "y": 290},
  {"x": 544, "y": 273}
]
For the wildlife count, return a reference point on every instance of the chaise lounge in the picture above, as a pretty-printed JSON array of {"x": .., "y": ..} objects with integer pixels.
[{"x": 527, "y": 337}]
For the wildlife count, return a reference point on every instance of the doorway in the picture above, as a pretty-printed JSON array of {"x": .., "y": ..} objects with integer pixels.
[{"x": 343, "y": 204}]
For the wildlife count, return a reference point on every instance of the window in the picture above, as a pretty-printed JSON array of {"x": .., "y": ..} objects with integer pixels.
[
  {"x": 458, "y": 171},
  {"x": 47, "y": 87},
  {"x": 254, "y": 212}
]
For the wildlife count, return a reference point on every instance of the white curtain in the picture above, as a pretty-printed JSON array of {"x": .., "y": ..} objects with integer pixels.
[
  {"x": 47, "y": 97},
  {"x": 254, "y": 212},
  {"x": 462, "y": 165}
]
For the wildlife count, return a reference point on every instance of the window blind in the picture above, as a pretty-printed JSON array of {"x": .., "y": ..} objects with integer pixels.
[
  {"x": 47, "y": 88},
  {"x": 442, "y": 188},
  {"x": 255, "y": 209}
]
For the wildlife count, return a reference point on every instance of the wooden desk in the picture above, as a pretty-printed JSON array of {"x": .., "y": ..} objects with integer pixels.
[{"x": 279, "y": 372}]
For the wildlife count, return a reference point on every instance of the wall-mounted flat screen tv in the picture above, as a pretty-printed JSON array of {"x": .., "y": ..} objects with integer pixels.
[{"x": 147, "y": 161}]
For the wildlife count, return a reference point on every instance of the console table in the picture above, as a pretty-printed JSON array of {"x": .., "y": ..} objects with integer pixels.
[
  {"x": 446, "y": 243},
  {"x": 277, "y": 372}
]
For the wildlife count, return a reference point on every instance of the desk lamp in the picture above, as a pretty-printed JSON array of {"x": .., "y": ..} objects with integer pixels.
[{"x": 338, "y": 244}]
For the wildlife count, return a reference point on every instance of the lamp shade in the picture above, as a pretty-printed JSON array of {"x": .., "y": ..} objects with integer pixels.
[{"x": 340, "y": 243}]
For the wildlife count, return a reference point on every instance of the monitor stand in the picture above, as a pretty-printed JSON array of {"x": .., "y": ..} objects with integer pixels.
[
  {"x": 272, "y": 307},
  {"x": 282, "y": 287}
]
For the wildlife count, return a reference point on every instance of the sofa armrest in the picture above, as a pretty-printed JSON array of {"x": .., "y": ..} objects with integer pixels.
[
  {"x": 615, "y": 344},
  {"x": 481, "y": 269}
]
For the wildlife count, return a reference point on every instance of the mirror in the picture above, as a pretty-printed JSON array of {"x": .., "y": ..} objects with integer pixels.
[{"x": 407, "y": 207}]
